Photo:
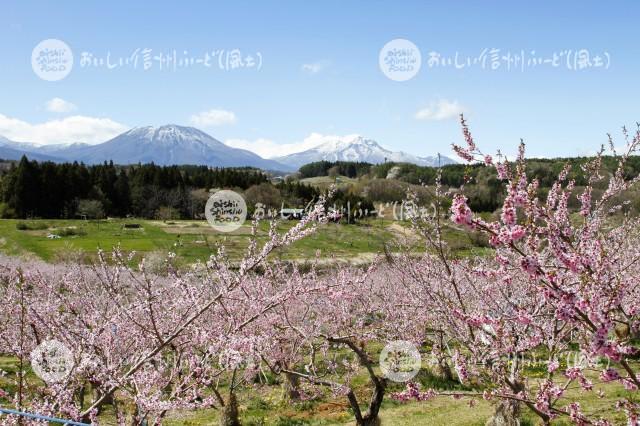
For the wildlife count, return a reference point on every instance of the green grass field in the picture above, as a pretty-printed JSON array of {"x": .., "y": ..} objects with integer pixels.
[
  {"x": 441, "y": 411},
  {"x": 190, "y": 240},
  {"x": 196, "y": 240},
  {"x": 265, "y": 405}
]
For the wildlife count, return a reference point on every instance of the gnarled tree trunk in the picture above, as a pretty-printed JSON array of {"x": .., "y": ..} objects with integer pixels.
[
  {"x": 291, "y": 387},
  {"x": 507, "y": 414},
  {"x": 229, "y": 415}
]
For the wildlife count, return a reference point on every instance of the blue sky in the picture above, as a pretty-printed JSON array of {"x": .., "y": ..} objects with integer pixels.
[{"x": 320, "y": 75}]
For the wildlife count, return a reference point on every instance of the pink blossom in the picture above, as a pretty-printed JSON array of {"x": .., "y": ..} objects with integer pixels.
[
  {"x": 609, "y": 375},
  {"x": 460, "y": 211},
  {"x": 503, "y": 171},
  {"x": 529, "y": 265}
]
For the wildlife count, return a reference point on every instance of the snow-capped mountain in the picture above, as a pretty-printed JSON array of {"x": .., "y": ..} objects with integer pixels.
[
  {"x": 23, "y": 146},
  {"x": 165, "y": 145},
  {"x": 10, "y": 150},
  {"x": 62, "y": 147},
  {"x": 357, "y": 148},
  {"x": 173, "y": 145}
]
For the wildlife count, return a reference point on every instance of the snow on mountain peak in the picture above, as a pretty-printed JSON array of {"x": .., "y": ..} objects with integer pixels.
[
  {"x": 170, "y": 134},
  {"x": 167, "y": 145},
  {"x": 174, "y": 144},
  {"x": 354, "y": 148},
  {"x": 342, "y": 143}
]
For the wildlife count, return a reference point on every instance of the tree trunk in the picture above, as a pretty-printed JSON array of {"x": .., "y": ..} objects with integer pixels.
[
  {"x": 443, "y": 370},
  {"x": 230, "y": 414},
  {"x": 95, "y": 396},
  {"x": 81, "y": 396},
  {"x": 371, "y": 418},
  {"x": 291, "y": 387},
  {"x": 373, "y": 421},
  {"x": 138, "y": 419},
  {"x": 507, "y": 414}
]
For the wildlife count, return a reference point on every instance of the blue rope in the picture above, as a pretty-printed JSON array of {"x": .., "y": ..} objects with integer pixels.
[{"x": 39, "y": 417}]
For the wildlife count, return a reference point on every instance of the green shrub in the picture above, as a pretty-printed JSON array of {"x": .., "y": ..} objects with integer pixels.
[
  {"x": 429, "y": 380},
  {"x": 257, "y": 403},
  {"x": 306, "y": 405},
  {"x": 6, "y": 212},
  {"x": 69, "y": 232},
  {"x": 288, "y": 421},
  {"x": 31, "y": 226}
]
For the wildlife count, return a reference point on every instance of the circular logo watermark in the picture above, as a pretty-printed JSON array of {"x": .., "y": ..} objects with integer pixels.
[
  {"x": 52, "y": 361},
  {"x": 400, "y": 361},
  {"x": 400, "y": 60},
  {"x": 232, "y": 359},
  {"x": 226, "y": 211},
  {"x": 52, "y": 60}
]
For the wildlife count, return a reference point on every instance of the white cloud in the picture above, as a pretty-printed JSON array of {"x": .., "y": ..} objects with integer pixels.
[
  {"x": 267, "y": 148},
  {"x": 440, "y": 110},
  {"x": 213, "y": 117},
  {"x": 59, "y": 105},
  {"x": 315, "y": 67},
  {"x": 76, "y": 128}
]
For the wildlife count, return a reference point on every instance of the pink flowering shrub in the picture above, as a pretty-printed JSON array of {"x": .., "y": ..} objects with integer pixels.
[
  {"x": 145, "y": 344},
  {"x": 554, "y": 278}
]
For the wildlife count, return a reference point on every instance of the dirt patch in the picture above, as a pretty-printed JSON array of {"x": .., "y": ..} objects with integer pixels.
[
  {"x": 196, "y": 228},
  {"x": 404, "y": 234}
]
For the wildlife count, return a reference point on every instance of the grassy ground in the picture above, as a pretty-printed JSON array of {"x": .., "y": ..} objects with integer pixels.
[
  {"x": 190, "y": 240},
  {"x": 264, "y": 406},
  {"x": 196, "y": 240},
  {"x": 324, "y": 182}
]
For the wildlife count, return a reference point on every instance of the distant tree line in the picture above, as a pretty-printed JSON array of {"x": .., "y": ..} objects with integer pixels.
[
  {"x": 29, "y": 189},
  {"x": 389, "y": 181},
  {"x": 545, "y": 170},
  {"x": 51, "y": 190},
  {"x": 328, "y": 168}
]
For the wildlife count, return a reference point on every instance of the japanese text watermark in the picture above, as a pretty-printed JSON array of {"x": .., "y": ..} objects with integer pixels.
[
  {"x": 148, "y": 59},
  {"x": 53, "y": 60},
  {"x": 495, "y": 59},
  {"x": 401, "y": 60}
]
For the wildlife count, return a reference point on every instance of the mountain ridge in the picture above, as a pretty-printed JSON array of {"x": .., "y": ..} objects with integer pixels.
[
  {"x": 358, "y": 148},
  {"x": 172, "y": 144}
]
